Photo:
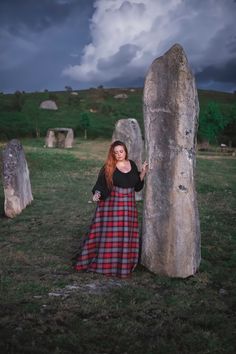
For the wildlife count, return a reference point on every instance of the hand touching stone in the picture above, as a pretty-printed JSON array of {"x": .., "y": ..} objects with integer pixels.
[{"x": 144, "y": 170}]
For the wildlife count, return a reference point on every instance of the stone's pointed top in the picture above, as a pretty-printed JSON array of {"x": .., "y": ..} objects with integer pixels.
[
  {"x": 12, "y": 149},
  {"x": 167, "y": 77},
  {"x": 174, "y": 55},
  {"x": 175, "y": 47},
  {"x": 12, "y": 142},
  {"x": 176, "y": 52}
]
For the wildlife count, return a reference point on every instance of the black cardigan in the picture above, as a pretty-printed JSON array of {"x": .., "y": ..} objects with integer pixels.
[{"x": 129, "y": 179}]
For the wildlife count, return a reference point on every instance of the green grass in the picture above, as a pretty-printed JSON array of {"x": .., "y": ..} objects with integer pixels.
[
  {"x": 108, "y": 110},
  {"x": 145, "y": 314},
  {"x": 31, "y": 120}
]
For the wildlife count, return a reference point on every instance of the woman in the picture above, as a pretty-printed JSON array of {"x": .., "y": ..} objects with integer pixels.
[{"x": 112, "y": 245}]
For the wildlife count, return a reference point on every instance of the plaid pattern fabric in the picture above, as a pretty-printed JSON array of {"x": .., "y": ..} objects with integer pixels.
[{"x": 112, "y": 245}]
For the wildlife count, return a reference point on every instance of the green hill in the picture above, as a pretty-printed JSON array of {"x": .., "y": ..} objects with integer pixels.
[{"x": 20, "y": 115}]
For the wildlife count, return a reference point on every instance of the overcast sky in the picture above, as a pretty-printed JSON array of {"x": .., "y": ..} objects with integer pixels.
[{"x": 50, "y": 44}]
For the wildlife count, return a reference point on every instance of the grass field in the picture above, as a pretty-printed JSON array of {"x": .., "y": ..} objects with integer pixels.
[
  {"x": 20, "y": 115},
  {"x": 48, "y": 308}
]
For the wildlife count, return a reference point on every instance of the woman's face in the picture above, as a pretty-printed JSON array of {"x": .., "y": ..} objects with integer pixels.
[{"x": 119, "y": 153}]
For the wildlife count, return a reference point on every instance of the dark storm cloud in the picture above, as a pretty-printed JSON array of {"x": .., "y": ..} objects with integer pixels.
[
  {"x": 20, "y": 78},
  {"x": 126, "y": 82},
  {"x": 224, "y": 74},
  {"x": 219, "y": 61},
  {"x": 126, "y": 36},
  {"x": 37, "y": 40},
  {"x": 125, "y": 54},
  {"x": 53, "y": 43},
  {"x": 32, "y": 15}
]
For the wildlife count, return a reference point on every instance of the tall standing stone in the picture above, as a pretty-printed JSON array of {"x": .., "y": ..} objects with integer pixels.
[
  {"x": 128, "y": 131},
  {"x": 171, "y": 228},
  {"x": 16, "y": 181}
]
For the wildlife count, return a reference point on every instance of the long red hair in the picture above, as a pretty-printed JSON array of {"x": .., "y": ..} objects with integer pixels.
[{"x": 110, "y": 163}]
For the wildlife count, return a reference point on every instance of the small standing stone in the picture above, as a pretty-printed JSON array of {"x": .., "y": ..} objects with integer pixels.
[
  {"x": 121, "y": 96},
  {"x": 49, "y": 104},
  {"x": 171, "y": 228},
  {"x": 128, "y": 131},
  {"x": 16, "y": 181},
  {"x": 59, "y": 137}
]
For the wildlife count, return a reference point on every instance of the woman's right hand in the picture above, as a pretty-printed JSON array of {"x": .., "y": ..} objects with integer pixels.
[
  {"x": 144, "y": 170},
  {"x": 96, "y": 196}
]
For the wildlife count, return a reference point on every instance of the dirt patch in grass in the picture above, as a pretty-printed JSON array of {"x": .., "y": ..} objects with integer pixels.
[{"x": 94, "y": 150}]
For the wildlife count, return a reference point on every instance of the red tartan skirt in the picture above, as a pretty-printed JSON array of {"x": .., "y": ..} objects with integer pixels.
[{"x": 112, "y": 244}]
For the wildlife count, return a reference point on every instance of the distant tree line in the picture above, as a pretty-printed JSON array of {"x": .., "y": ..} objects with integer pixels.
[
  {"x": 217, "y": 122},
  {"x": 213, "y": 124}
]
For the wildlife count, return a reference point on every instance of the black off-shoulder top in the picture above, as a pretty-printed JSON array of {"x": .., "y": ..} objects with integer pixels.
[{"x": 129, "y": 179}]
